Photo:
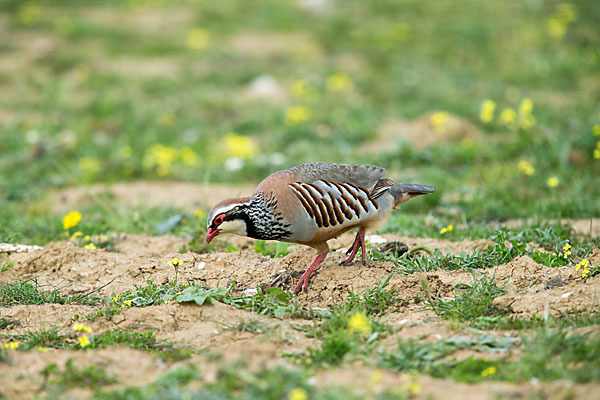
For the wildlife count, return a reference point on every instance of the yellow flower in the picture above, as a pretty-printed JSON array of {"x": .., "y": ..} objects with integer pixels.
[
  {"x": 376, "y": 377},
  {"x": 299, "y": 88},
  {"x": 199, "y": 213},
  {"x": 125, "y": 152},
  {"x": 71, "y": 219},
  {"x": 42, "y": 349},
  {"x": 90, "y": 246},
  {"x": 11, "y": 345},
  {"x": 160, "y": 157},
  {"x": 339, "y": 82},
  {"x": 414, "y": 384},
  {"x": 585, "y": 272},
  {"x": 439, "y": 121},
  {"x": 526, "y": 120},
  {"x": 175, "y": 262},
  {"x": 552, "y": 181},
  {"x": 582, "y": 264},
  {"x": 526, "y": 168},
  {"x": 489, "y": 371},
  {"x": 596, "y": 129},
  {"x": 28, "y": 13},
  {"x": 597, "y": 154},
  {"x": 89, "y": 165},
  {"x": 188, "y": 156},
  {"x": 507, "y": 117},
  {"x": 358, "y": 322},
  {"x": 486, "y": 112},
  {"x": 446, "y": 229},
  {"x": 567, "y": 247},
  {"x": 84, "y": 340},
  {"x": 525, "y": 107},
  {"x": 82, "y": 328},
  {"x": 239, "y": 146},
  {"x": 297, "y": 394},
  {"x": 126, "y": 303},
  {"x": 556, "y": 28},
  {"x": 197, "y": 39},
  {"x": 297, "y": 114},
  {"x": 76, "y": 235}
]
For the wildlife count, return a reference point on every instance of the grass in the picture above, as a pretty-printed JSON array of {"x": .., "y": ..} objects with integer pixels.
[
  {"x": 92, "y": 377},
  {"x": 472, "y": 304},
  {"x": 30, "y": 292},
  {"x": 500, "y": 252},
  {"x": 56, "y": 339}
]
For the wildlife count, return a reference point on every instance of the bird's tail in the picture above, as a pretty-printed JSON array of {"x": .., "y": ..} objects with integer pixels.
[{"x": 403, "y": 192}]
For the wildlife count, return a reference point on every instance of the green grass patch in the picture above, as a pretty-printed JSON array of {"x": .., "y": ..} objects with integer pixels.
[
  {"x": 472, "y": 304},
  {"x": 30, "y": 292},
  {"x": 93, "y": 377},
  {"x": 500, "y": 252}
]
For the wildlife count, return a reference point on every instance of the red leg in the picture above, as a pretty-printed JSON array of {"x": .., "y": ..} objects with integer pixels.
[
  {"x": 310, "y": 272},
  {"x": 358, "y": 241},
  {"x": 354, "y": 246}
]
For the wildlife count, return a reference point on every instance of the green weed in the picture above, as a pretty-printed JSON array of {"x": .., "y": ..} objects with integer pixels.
[
  {"x": 275, "y": 249},
  {"x": 472, "y": 304},
  {"x": 30, "y": 292},
  {"x": 92, "y": 377}
]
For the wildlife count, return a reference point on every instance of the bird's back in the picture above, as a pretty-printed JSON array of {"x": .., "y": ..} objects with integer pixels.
[{"x": 324, "y": 200}]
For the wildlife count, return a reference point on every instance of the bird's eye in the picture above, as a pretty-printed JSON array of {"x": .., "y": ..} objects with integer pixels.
[{"x": 219, "y": 219}]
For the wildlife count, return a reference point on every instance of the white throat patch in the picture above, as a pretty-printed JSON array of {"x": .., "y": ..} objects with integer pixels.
[{"x": 237, "y": 227}]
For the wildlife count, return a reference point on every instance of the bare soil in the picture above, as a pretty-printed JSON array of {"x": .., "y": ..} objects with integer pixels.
[{"x": 72, "y": 270}]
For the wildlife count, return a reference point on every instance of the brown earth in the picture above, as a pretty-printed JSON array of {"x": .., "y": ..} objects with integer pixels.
[
  {"x": 73, "y": 269},
  {"x": 533, "y": 289}
]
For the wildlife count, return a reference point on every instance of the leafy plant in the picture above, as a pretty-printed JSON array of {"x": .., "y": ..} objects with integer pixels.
[
  {"x": 92, "y": 376},
  {"x": 29, "y": 292},
  {"x": 273, "y": 249},
  {"x": 201, "y": 295}
]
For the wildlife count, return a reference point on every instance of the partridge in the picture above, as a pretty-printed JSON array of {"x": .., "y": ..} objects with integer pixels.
[{"x": 312, "y": 203}]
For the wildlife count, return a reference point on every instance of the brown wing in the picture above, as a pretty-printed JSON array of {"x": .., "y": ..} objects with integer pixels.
[{"x": 357, "y": 174}]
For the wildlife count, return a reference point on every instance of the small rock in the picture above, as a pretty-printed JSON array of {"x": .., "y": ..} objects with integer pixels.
[
  {"x": 555, "y": 282},
  {"x": 265, "y": 87},
  {"x": 17, "y": 248},
  {"x": 375, "y": 239},
  {"x": 395, "y": 248}
]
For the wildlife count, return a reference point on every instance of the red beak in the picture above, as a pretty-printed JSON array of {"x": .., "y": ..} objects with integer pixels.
[{"x": 211, "y": 234}]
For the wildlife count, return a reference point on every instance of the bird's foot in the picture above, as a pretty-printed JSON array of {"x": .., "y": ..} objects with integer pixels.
[
  {"x": 284, "y": 277},
  {"x": 359, "y": 241},
  {"x": 310, "y": 272}
]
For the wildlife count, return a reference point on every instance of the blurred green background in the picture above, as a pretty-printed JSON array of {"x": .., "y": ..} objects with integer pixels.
[{"x": 496, "y": 103}]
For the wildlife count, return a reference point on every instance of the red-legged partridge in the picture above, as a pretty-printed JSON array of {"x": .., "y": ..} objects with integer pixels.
[{"x": 312, "y": 203}]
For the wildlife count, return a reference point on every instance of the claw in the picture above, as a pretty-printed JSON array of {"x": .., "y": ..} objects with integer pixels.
[
  {"x": 310, "y": 272},
  {"x": 358, "y": 241}
]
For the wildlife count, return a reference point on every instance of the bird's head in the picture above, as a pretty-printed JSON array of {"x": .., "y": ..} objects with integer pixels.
[{"x": 228, "y": 216}]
